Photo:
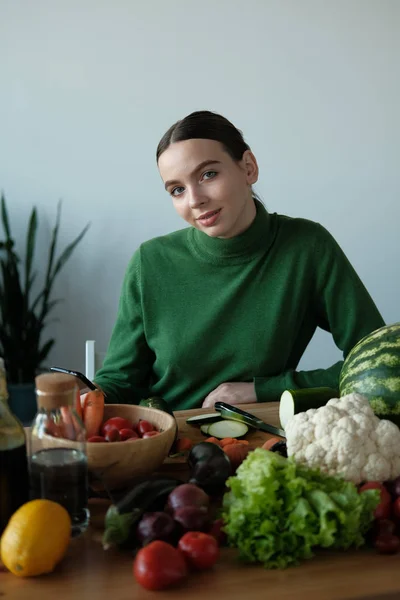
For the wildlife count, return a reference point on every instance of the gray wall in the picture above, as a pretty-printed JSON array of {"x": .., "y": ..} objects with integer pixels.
[{"x": 88, "y": 87}]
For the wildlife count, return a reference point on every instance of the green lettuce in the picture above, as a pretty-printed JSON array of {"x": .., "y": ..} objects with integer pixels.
[{"x": 277, "y": 512}]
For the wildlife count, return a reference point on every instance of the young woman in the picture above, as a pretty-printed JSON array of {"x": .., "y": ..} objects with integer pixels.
[{"x": 224, "y": 309}]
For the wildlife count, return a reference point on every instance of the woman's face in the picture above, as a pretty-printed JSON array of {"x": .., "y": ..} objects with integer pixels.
[{"x": 209, "y": 189}]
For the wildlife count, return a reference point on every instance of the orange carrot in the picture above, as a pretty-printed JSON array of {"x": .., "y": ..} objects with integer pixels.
[
  {"x": 93, "y": 412},
  {"x": 228, "y": 440},
  {"x": 269, "y": 443},
  {"x": 183, "y": 444},
  {"x": 78, "y": 405},
  {"x": 213, "y": 440},
  {"x": 236, "y": 454}
]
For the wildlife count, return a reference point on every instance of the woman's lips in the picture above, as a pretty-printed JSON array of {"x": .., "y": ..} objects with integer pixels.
[{"x": 210, "y": 218}]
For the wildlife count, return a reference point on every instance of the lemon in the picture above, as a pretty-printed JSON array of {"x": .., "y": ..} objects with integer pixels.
[{"x": 36, "y": 538}]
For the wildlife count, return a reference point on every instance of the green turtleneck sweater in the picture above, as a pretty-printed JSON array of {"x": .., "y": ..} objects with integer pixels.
[{"x": 197, "y": 311}]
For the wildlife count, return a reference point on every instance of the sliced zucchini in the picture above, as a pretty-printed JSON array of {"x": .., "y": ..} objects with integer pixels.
[
  {"x": 293, "y": 402},
  {"x": 204, "y": 428},
  {"x": 200, "y": 419},
  {"x": 224, "y": 428}
]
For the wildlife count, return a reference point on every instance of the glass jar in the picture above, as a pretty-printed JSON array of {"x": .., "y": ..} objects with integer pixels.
[
  {"x": 14, "y": 480},
  {"x": 57, "y": 449}
]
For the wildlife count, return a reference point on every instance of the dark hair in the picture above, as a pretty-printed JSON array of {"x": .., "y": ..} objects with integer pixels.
[{"x": 205, "y": 125}]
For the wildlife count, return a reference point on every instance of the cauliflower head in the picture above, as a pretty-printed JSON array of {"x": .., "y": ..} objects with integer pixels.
[{"x": 347, "y": 439}]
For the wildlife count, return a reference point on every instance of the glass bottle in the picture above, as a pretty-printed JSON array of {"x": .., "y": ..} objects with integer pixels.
[
  {"x": 14, "y": 480},
  {"x": 57, "y": 450}
]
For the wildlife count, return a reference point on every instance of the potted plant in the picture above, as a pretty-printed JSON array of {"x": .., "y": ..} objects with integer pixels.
[{"x": 25, "y": 309}]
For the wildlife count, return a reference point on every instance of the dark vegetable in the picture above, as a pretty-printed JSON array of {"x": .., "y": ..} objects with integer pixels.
[
  {"x": 210, "y": 467},
  {"x": 280, "y": 448},
  {"x": 192, "y": 518},
  {"x": 156, "y": 526},
  {"x": 161, "y": 404},
  {"x": 387, "y": 544},
  {"x": 187, "y": 494},
  {"x": 157, "y": 402},
  {"x": 203, "y": 451},
  {"x": 122, "y": 518}
]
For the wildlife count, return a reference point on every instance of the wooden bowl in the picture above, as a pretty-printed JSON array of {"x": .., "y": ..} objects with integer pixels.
[{"x": 113, "y": 465}]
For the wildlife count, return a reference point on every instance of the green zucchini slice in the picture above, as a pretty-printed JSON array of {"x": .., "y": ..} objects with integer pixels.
[
  {"x": 201, "y": 419},
  {"x": 225, "y": 428},
  {"x": 204, "y": 428}
]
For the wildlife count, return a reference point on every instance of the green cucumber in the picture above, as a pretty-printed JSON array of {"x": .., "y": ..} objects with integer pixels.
[
  {"x": 225, "y": 428},
  {"x": 157, "y": 402},
  {"x": 293, "y": 402},
  {"x": 201, "y": 419}
]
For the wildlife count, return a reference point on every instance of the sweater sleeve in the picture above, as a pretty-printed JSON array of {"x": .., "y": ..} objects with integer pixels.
[
  {"x": 342, "y": 306},
  {"x": 125, "y": 374}
]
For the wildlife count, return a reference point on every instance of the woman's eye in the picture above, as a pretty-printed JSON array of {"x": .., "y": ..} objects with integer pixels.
[
  {"x": 209, "y": 174},
  {"x": 177, "y": 191}
]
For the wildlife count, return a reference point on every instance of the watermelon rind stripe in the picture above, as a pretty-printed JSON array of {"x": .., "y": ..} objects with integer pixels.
[{"x": 372, "y": 368}]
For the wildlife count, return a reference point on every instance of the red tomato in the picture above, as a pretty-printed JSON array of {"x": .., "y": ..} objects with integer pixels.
[
  {"x": 383, "y": 509},
  {"x": 97, "y": 438},
  {"x": 200, "y": 549},
  {"x": 387, "y": 544},
  {"x": 159, "y": 565},
  {"x": 149, "y": 434},
  {"x": 143, "y": 427},
  {"x": 112, "y": 434},
  {"x": 127, "y": 434},
  {"x": 117, "y": 422}
]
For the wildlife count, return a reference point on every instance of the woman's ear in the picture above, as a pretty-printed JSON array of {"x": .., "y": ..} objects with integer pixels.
[{"x": 250, "y": 166}]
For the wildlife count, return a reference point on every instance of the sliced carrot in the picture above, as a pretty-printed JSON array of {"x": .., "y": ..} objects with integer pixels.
[
  {"x": 228, "y": 440},
  {"x": 93, "y": 412},
  {"x": 183, "y": 444},
  {"x": 78, "y": 405},
  {"x": 269, "y": 443},
  {"x": 236, "y": 454},
  {"x": 213, "y": 440}
]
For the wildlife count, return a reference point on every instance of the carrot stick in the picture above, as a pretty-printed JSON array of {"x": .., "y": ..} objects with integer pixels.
[
  {"x": 78, "y": 405},
  {"x": 93, "y": 412}
]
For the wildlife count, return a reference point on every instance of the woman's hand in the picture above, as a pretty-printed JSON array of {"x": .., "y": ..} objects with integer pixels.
[{"x": 232, "y": 393}]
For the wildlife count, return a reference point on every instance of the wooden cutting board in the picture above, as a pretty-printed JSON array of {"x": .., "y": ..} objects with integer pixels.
[{"x": 268, "y": 412}]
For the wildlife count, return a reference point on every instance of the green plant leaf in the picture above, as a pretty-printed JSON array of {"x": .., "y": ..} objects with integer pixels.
[
  {"x": 43, "y": 352},
  {"x": 65, "y": 255},
  {"x": 4, "y": 217},
  {"x": 30, "y": 251},
  {"x": 21, "y": 322}
]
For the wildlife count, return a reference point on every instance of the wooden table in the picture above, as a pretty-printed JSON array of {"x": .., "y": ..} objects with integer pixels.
[{"x": 89, "y": 573}]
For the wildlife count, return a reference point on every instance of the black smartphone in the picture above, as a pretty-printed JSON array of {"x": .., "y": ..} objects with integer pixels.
[{"x": 84, "y": 384}]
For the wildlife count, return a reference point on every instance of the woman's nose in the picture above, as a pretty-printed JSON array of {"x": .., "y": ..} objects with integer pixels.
[{"x": 196, "y": 198}]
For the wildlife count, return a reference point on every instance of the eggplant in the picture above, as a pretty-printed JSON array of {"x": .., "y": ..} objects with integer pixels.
[
  {"x": 210, "y": 467},
  {"x": 280, "y": 448},
  {"x": 122, "y": 517}
]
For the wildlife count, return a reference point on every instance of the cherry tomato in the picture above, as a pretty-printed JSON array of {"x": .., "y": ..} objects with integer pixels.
[
  {"x": 112, "y": 435},
  {"x": 149, "y": 434},
  {"x": 200, "y": 549},
  {"x": 127, "y": 434},
  {"x": 387, "y": 544},
  {"x": 383, "y": 509},
  {"x": 159, "y": 565},
  {"x": 97, "y": 438},
  {"x": 143, "y": 427},
  {"x": 117, "y": 422}
]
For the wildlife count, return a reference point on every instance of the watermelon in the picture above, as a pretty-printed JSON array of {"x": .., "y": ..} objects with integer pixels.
[{"x": 372, "y": 368}]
